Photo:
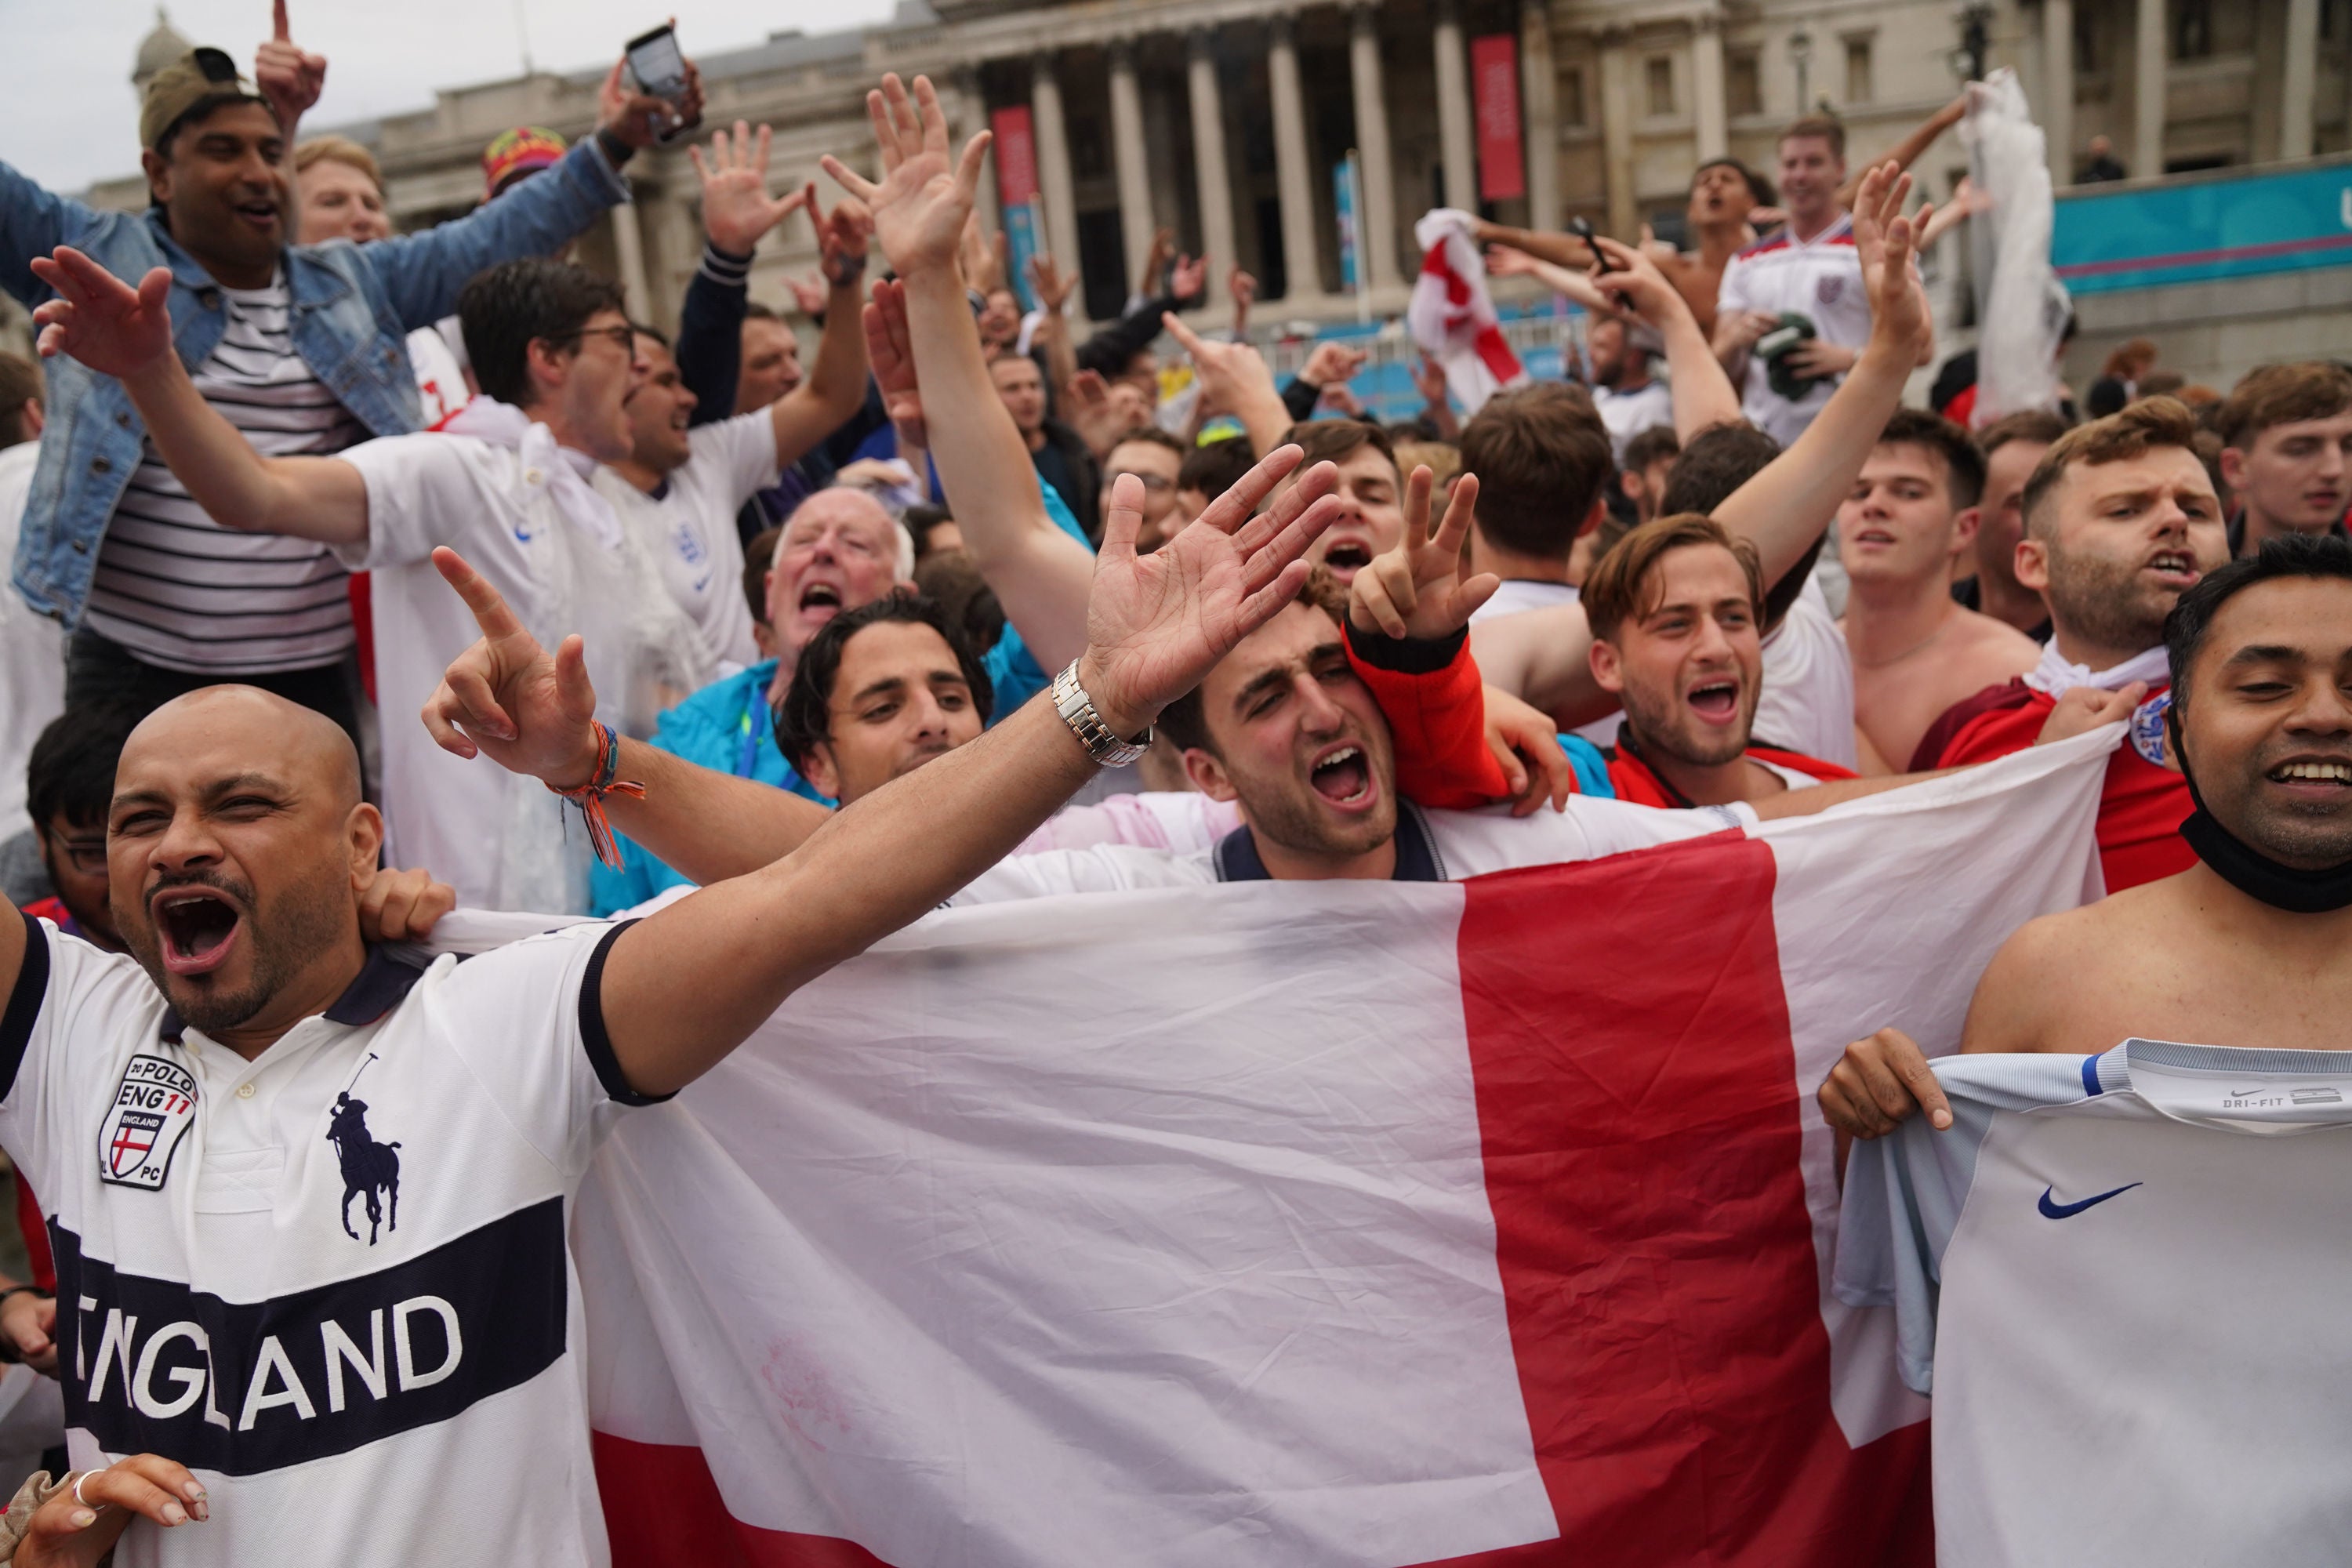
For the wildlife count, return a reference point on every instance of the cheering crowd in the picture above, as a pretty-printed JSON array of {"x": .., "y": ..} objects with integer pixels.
[{"x": 362, "y": 577}]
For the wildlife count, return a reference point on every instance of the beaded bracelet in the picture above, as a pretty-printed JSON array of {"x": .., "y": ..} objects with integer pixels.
[{"x": 590, "y": 797}]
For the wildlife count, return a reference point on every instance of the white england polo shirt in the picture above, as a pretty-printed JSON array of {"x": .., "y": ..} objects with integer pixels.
[
  {"x": 332, "y": 1281},
  {"x": 1819, "y": 279},
  {"x": 2124, "y": 1278}
]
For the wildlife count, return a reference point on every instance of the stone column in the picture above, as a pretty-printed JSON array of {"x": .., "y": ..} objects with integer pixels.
[
  {"x": 1209, "y": 160},
  {"x": 1540, "y": 104},
  {"x": 1135, "y": 219},
  {"x": 2058, "y": 89},
  {"x": 1302, "y": 253},
  {"x": 2151, "y": 52},
  {"x": 629, "y": 256},
  {"x": 1455, "y": 134},
  {"x": 1615, "y": 72},
  {"x": 2295, "y": 92},
  {"x": 1376, "y": 223},
  {"x": 1050, "y": 130},
  {"x": 1709, "y": 113}
]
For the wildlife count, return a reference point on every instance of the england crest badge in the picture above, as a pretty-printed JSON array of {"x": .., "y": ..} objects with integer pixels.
[
  {"x": 2148, "y": 729},
  {"x": 153, "y": 1105}
]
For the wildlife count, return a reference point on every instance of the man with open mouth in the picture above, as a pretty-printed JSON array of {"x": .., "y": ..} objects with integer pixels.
[
  {"x": 299, "y": 346},
  {"x": 1912, "y": 515},
  {"x": 2120, "y": 522},
  {"x": 1677, "y": 610},
  {"x": 2066, "y": 1202},
  {"x": 310, "y": 1202}
]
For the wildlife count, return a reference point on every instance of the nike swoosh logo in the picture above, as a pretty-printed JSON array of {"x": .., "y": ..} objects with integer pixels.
[{"x": 2067, "y": 1211}]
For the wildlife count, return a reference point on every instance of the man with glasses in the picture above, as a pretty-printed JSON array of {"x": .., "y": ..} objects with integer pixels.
[
  {"x": 506, "y": 481},
  {"x": 1156, "y": 458}
]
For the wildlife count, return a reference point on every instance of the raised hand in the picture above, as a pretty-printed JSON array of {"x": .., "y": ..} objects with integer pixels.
[
  {"x": 842, "y": 241},
  {"x": 1231, "y": 374},
  {"x": 921, "y": 203},
  {"x": 640, "y": 119},
  {"x": 737, "y": 209},
  {"x": 1428, "y": 380},
  {"x": 1052, "y": 284},
  {"x": 1885, "y": 241},
  {"x": 290, "y": 78},
  {"x": 1634, "y": 282},
  {"x": 1098, "y": 421},
  {"x": 1189, "y": 277},
  {"x": 507, "y": 698},
  {"x": 892, "y": 358},
  {"x": 1509, "y": 261},
  {"x": 98, "y": 319},
  {"x": 1414, "y": 590},
  {"x": 809, "y": 293},
  {"x": 1155, "y": 261},
  {"x": 1331, "y": 362},
  {"x": 1157, "y": 624},
  {"x": 984, "y": 264}
]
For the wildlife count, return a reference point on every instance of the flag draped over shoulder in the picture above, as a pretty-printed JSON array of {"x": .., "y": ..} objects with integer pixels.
[{"x": 1294, "y": 1225}]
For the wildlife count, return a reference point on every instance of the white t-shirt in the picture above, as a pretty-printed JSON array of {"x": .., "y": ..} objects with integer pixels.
[
  {"x": 1455, "y": 845},
  {"x": 1820, "y": 278},
  {"x": 32, "y": 650},
  {"x": 500, "y": 838},
  {"x": 1807, "y": 703},
  {"x": 440, "y": 376},
  {"x": 357, "y": 1322},
  {"x": 2123, "y": 1278},
  {"x": 690, "y": 527},
  {"x": 1626, "y": 415},
  {"x": 181, "y": 591}
]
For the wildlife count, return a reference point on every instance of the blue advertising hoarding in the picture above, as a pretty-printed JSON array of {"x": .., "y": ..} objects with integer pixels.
[{"x": 2204, "y": 230}]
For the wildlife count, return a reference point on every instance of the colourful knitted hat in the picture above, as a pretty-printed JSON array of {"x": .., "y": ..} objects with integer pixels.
[{"x": 526, "y": 150}]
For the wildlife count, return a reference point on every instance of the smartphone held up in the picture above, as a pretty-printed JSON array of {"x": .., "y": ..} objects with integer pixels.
[{"x": 660, "y": 67}]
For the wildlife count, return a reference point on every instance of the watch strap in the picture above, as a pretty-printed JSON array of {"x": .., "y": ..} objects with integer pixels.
[{"x": 1105, "y": 745}]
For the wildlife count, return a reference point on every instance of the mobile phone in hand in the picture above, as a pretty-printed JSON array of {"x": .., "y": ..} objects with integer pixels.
[
  {"x": 660, "y": 67},
  {"x": 1582, "y": 228}
]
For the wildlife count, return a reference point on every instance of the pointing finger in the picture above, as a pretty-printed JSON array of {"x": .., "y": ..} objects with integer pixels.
[
  {"x": 278, "y": 30},
  {"x": 491, "y": 612}
]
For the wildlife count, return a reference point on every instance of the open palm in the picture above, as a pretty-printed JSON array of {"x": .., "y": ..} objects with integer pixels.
[
  {"x": 924, "y": 196},
  {"x": 736, "y": 206},
  {"x": 1885, "y": 243},
  {"x": 98, "y": 319},
  {"x": 1157, "y": 624}
]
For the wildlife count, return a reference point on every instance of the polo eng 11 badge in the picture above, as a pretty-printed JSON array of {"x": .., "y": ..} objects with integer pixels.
[{"x": 153, "y": 1106}]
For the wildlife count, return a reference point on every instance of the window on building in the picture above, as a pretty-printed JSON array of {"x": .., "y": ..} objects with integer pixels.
[
  {"x": 2192, "y": 29},
  {"x": 1857, "y": 70},
  {"x": 1088, "y": 144},
  {"x": 1571, "y": 97},
  {"x": 1743, "y": 82},
  {"x": 1658, "y": 70}
]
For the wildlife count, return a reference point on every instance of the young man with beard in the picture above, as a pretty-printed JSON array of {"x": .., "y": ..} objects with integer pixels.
[
  {"x": 1912, "y": 514},
  {"x": 507, "y": 476},
  {"x": 2286, "y": 453},
  {"x": 2120, "y": 520},
  {"x": 2094, "y": 1192},
  {"x": 1783, "y": 508},
  {"x": 1628, "y": 399},
  {"x": 299, "y": 346},
  {"x": 1808, "y": 268},
  {"x": 464, "y": 1102},
  {"x": 2013, "y": 446},
  {"x": 1676, "y": 611}
]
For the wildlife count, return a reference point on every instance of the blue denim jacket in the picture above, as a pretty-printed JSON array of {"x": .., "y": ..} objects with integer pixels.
[{"x": 354, "y": 308}]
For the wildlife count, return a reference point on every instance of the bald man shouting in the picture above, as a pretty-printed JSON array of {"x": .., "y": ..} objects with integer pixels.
[{"x": 308, "y": 1199}]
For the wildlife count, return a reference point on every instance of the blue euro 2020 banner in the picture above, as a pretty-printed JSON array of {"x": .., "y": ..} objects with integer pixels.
[{"x": 2204, "y": 230}]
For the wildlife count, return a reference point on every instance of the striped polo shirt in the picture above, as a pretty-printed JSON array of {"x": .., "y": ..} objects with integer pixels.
[{"x": 179, "y": 590}]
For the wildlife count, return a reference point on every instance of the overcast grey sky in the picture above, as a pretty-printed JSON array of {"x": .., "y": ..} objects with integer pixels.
[{"x": 68, "y": 116}]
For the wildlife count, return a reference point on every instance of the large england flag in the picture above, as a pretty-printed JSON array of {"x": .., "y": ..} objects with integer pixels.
[{"x": 1289, "y": 1226}]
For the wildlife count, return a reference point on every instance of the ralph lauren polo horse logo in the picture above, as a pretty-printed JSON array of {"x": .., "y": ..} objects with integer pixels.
[{"x": 371, "y": 1170}]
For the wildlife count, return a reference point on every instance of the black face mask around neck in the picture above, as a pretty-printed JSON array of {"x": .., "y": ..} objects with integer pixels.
[{"x": 2248, "y": 869}]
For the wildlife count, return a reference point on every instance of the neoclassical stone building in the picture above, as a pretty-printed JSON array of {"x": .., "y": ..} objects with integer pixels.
[{"x": 1224, "y": 120}]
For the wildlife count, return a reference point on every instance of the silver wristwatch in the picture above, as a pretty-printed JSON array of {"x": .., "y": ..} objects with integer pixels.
[{"x": 1108, "y": 749}]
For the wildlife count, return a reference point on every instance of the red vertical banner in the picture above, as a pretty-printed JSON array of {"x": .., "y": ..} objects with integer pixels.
[
  {"x": 1495, "y": 94},
  {"x": 1016, "y": 154}
]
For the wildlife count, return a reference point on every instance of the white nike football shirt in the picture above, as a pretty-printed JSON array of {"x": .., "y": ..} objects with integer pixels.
[{"x": 2123, "y": 1278}]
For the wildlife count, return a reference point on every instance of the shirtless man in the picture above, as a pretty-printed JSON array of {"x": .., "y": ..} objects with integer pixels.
[
  {"x": 1911, "y": 514},
  {"x": 2253, "y": 934}
]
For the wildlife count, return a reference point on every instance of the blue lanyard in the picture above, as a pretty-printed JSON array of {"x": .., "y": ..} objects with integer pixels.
[{"x": 754, "y": 724}]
